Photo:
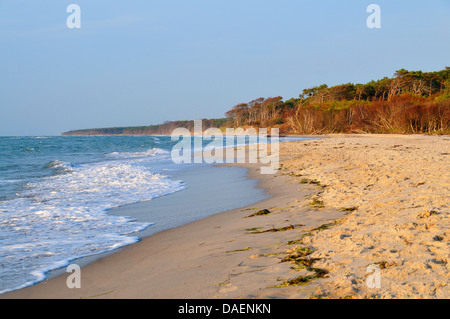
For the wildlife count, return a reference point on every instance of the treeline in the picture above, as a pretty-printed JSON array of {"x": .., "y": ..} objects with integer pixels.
[
  {"x": 165, "y": 128},
  {"x": 409, "y": 102}
]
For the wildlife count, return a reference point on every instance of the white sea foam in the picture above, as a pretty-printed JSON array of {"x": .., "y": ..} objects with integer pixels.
[
  {"x": 63, "y": 217},
  {"x": 149, "y": 153}
]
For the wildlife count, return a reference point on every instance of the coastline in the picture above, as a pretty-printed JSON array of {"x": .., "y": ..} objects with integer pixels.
[
  {"x": 162, "y": 213},
  {"x": 319, "y": 196},
  {"x": 170, "y": 258}
]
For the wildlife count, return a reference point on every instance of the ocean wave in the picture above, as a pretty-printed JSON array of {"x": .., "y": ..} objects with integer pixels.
[
  {"x": 60, "y": 166},
  {"x": 149, "y": 153},
  {"x": 62, "y": 217}
]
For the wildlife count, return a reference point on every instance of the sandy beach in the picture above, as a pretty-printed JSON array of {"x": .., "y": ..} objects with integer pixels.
[{"x": 338, "y": 205}]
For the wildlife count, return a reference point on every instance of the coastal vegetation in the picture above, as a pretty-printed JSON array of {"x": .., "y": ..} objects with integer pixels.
[
  {"x": 410, "y": 102},
  {"x": 165, "y": 128}
]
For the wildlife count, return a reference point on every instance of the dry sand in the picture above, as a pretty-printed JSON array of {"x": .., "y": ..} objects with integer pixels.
[
  {"x": 339, "y": 204},
  {"x": 400, "y": 186}
]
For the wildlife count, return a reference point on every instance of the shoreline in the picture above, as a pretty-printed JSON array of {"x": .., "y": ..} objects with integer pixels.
[
  {"x": 155, "y": 211},
  {"x": 190, "y": 240},
  {"x": 322, "y": 194}
]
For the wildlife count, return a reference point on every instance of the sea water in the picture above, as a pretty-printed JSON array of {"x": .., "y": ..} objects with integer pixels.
[{"x": 55, "y": 192}]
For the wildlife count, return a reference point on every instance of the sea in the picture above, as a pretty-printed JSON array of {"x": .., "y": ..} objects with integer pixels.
[{"x": 56, "y": 191}]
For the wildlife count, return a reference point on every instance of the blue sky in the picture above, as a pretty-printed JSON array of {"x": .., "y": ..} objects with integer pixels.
[{"x": 144, "y": 62}]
